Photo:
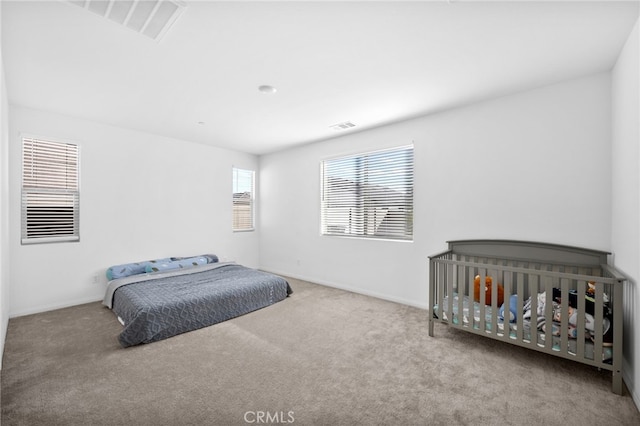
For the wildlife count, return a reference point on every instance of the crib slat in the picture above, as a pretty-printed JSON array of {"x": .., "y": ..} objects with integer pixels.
[
  {"x": 494, "y": 302},
  {"x": 518, "y": 308},
  {"x": 464, "y": 280},
  {"x": 533, "y": 321},
  {"x": 482, "y": 302},
  {"x": 469, "y": 274},
  {"x": 442, "y": 281},
  {"x": 507, "y": 285},
  {"x": 507, "y": 289},
  {"x": 564, "y": 315},
  {"x": 548, "y": 320},
  {"x": 438, "y": 289},
  {"x": 463, "y": 291},
  {"x": 598, "y": 325},
  {"x": 454, "y": 277},
  {"x": 580, "y": 338},
  {"x": 455, "y": 286},
  {"x": 448, "y": 291}
]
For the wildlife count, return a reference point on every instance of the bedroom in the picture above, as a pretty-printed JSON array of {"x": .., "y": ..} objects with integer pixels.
[{"x": 556, "y": 160}]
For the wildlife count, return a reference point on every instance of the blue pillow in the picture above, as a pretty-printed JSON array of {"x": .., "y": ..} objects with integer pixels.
[
  {"x": 127, "y": 269},
  {"x": 211, "y": 258},
  {"x": 187, "y": 262}
]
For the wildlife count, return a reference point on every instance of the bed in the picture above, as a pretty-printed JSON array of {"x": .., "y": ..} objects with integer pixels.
[
  {"x": 165, "y": 302},
  {"x": 560, "y": 300}
]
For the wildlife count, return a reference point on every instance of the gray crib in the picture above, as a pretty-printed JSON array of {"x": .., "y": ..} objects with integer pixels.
[{"x": 561, "y": 300}]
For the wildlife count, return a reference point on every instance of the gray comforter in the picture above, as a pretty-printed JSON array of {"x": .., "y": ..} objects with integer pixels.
[{"x": 160, "y": 305}]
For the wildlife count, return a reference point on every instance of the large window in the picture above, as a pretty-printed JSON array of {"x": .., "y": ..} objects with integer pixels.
[
  {"x": 369, "y": 195},
  {"x": 243, "y": 196},
  {"x": 50, "y": 191}
]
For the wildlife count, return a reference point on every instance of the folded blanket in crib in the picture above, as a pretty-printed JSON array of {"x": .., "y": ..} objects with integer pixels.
[{"x": 557, "y": 315}]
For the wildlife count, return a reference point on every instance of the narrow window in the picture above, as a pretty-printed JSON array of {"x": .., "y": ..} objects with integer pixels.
[
  {"x": 369, "y": 195},
  {"x": 50, "y": 191},
  {"x": 243, "y": 196}
]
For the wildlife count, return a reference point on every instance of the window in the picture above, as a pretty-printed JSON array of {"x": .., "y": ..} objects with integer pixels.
[
  {"x": 50, "y": 191},
  {"x": 369, "y": 195},
  {"x": 243, "y": 188}
]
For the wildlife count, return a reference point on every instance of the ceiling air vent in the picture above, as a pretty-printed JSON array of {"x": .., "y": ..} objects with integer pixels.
[
  {"x": 149, "y": 17},
  {"x": 343, "y": 126}
]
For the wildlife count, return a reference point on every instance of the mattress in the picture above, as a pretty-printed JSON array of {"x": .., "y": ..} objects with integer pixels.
[
  {"x": 512, "y": 327},
  {"x": 159, "y": 305}
]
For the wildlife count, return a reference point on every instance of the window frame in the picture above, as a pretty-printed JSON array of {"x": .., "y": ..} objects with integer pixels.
[
  {"x": 359, "y": 193},
  {"x": 64, "y": 227},
  {"x": 237, "y": 222}
]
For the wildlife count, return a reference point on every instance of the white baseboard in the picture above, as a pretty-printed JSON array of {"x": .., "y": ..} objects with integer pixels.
[
  {"x": 52, "y": 307},
  {"x": 351, "y": 289}
]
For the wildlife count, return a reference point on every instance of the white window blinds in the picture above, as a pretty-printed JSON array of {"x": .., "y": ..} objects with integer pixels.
[
  {"x": 369, "y": 195},
  {"x": 50, "y": 191},
  {"x": 243, "y": 196}
]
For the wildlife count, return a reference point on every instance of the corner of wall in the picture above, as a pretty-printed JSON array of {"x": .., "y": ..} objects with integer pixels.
[
  {"x": 4, "y": 206},
  {"x": 625, "y": 199}
]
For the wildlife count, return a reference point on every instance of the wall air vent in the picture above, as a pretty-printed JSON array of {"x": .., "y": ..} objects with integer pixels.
[
  {"x": 343, "y": 126},
  {"x": 149, "y": 17}
]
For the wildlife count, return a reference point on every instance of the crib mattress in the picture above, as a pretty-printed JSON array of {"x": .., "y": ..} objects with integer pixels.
[{"x": 607, "y": 355}]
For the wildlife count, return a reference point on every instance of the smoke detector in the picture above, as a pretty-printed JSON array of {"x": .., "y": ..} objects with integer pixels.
[
  {"x": 151, "y": 18},
  {"x": 343, "y": 126}
]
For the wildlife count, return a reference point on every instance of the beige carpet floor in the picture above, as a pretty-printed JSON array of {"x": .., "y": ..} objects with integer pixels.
[{"x": 321, "y": 357}]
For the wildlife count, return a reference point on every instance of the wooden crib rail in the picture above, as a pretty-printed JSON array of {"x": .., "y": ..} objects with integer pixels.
[{"x": 531, "y": 251}]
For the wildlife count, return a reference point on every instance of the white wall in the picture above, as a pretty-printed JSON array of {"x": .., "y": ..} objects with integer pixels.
[
  {"x": 4, "y": 205},
  {"x": 625, "y": 235},
  {"x": 142, "y": 197},
  {"x": 531, "y": 166}
]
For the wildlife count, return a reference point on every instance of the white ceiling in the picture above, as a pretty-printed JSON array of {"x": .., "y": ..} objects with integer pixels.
[{"x": 370, "y": 63}]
